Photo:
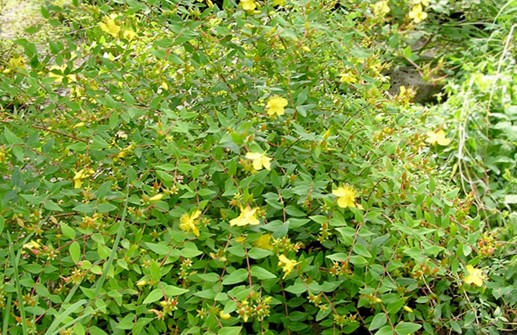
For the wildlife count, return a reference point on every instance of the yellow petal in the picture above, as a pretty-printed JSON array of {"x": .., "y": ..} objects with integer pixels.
[
  {"x": 196, "y": 214},
  {"x": 345, "y": 202},
  {"x": 283, "y": 259},
  {"x": 257, "y": 164},
  {"x": 339, "y": 192},
  {"x": 195, "y": 230},
  {"x": 431, "y": 137},
  {"x": 253, "y": 155},
  {"x": 264, "y": 242},
  {"x": 266, "y": 162}
]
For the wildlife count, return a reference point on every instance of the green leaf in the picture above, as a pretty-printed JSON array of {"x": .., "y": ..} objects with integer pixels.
[
  {"x": 297, "y": 288},
  {"x": 33, "y": 199},
  {"x": 347, "y": 235},
  {"x": 229, "y": 331},
  {"x": 395, "y": 305},
  {"x": 206, "y": 192},
  {"x": 261, "y": 273},
  {"x": 237, "y": 250},
  {"x": 361, "y": 250},
  {"x": 235, "y": 277},
  {"x": 159, "y": 248},
  {"x": 386, "y": 330},
  {"x": 258, "y": 253},
  {"x": 407, "y": 328},
  {"x": 79, "y": 329},
  {"x": 165, "y": 176},
  {"x": 378, "y": 321},
  {"x": 172, "y": 291},
  {"x": 11, "y": 137},
  {"x": 75, "y": 251},
  {"x": 96, "y": 331},
  {"x": 358, "y": 261},
  {"x": 190, "y": 251},
  {"x": 209, "y": 277},
  {"x": 105, "y": 207},
  {"x": 103, "y": 251},
  {"x": 154, "y": 270},
  {"x": 67, "y": 231},
  {"x": 52, "y": 206},
  {"x": 323, "y": 313},
  {"x": 339, "y": 257},
  {"x": 153, "y": 296},
  {"x": 295, "y": 211},
  {"x": 84, "y": 208},
  {"x": 127, "y": 322}
]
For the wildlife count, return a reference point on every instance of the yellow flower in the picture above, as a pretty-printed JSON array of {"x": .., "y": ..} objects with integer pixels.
[
  {"x": 474, "y": 276},
  {"x": 31, "y": 245},
  {"x": 417, "y": 14},
  {"x": 189, "y": 223},
  {"x": 141, "y": 283},
  {"x": 347, "y": 78},
  {"x": 248, "y": 5},
  {"x": 278, "y": 2},
  {"x": 275, "y": 105},
  {"x": 286, "y": 264},
  {"x": 129, "y": 34},
  {"x": 259, "y": 160},
  {"x": 80, "y": 175},
  {"x": 124, "y": 152},
  {"x": 381, "y": 8},
  {"x": 422, "y": 2},
  {"x": 345, "y": 196},
  {"x": 434, "y": 137},
  {"x": 248, "y": 217},
  {"x": 264, "y": 242},
  {"x": 110, "y": 26},
  {"x": 14, "y": 63}
]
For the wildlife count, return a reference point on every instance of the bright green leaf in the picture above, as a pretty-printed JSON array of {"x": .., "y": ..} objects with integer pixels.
[
  {"x": 75, "y": 251},
  {"x": 407, "y": 328}
]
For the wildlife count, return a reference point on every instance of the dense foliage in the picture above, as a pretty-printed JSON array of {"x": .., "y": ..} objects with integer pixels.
[{"x": 177, "y": 168}]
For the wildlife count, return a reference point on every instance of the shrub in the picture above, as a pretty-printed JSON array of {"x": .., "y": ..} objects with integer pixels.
[{"x": 239, "y": 171}]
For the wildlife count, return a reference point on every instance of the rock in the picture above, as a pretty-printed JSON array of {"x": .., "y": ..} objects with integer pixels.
[{"x": 409, "y": 77}]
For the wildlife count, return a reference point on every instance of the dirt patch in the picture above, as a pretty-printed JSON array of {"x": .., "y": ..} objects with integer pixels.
[{"x": 18, "y": 15}]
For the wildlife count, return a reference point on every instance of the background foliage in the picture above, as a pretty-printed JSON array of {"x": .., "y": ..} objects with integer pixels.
[{"x": 135, "y": 165}]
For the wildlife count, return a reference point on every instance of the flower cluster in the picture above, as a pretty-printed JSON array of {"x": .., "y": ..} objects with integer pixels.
[{"x": 417, "y": 13}]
